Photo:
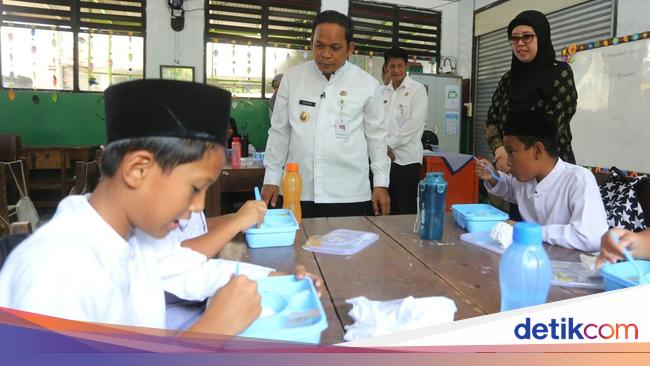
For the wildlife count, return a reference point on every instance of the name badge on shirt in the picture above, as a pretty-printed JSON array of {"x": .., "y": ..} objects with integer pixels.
[
  {"x": 307, "y": 103},
  {"x": 342, "y": 127}
]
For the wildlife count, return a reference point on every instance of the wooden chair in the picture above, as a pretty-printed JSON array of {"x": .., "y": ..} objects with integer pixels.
[
  {"x": 86, "y": 177},
  {"x": 9, "y": 243},
  {"x": 11, "y": 150},
  {"x": 10, "y": 147},
  {"x": 4, "y": 205}
]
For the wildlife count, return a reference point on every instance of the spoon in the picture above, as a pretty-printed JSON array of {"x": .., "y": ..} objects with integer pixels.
[
  {"x": 642, "y": 276},
  {"x": 489, "y": 169}
]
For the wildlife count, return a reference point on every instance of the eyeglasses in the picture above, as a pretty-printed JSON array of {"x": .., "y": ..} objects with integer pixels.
[{"x": 526, "y": 38}]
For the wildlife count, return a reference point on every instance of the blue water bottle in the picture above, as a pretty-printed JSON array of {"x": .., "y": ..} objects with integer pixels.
[
  {"x": 431, "y": 194},
  {"x": 524, "y": 270}
]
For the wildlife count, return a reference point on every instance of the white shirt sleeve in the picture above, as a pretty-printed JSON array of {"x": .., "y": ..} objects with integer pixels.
[
  {"x": 192, "y": 276},
  {"x": 375, "y": 129},
  {"x": 504, "y": 188},
  {"x": 414, "y": 126},
  {"x": 277, "y": 145},
  {"x": 587, "y": 223}
]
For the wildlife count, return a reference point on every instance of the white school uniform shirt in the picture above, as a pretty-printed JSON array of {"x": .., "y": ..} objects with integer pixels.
[
  {"x": 342, "y": 126},
  {"x": 191, "y": 228},
  {"x": 77, "y": 267},
  {"x": 566, "y": 203},
  {"x": 405, "y": 110},
  {"x": 189, "y": 274}
]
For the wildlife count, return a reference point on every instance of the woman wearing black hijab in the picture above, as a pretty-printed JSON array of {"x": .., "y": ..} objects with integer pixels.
[{"x": 535, "y": 81}]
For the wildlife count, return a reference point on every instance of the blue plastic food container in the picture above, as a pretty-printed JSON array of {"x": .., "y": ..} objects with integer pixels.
[
  {"x": 623, "y": 274},
  {"x": 278, "y": 230},
  {"x": 291, "y": 311},
  {"x": 477, "y": 217}
]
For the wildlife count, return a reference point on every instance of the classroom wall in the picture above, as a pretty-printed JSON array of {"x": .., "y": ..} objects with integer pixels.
[
  {"x": 183, "y": 48},
  {"x": 75, "y": 119},
  {"x": 456, "y": 27},
  {"x": 632, "y": 17}
]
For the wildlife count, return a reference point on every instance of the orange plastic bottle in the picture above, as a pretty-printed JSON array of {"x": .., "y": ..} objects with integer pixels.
[{"x": 291, "y": 190}]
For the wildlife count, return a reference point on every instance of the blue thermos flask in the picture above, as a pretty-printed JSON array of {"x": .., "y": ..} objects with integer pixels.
[
  {"x": 525, "y": 269},
  {"x": 431, "y": 195}
]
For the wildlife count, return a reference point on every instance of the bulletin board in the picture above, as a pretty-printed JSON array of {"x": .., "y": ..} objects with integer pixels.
[{"x": 611, "y": 126}]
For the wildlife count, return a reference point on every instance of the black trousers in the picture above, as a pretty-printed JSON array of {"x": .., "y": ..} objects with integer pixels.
[
  {"x": 311, "y": 209},
  {"x": 403, "y": 189}
]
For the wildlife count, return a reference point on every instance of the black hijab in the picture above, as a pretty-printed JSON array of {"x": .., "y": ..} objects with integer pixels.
[{"x": 532, "y": 81}]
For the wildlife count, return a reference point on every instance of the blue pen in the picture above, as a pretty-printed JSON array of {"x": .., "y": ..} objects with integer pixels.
[
  {"x": 237, "y": 268},
  {"x": 492, "y": 172}
]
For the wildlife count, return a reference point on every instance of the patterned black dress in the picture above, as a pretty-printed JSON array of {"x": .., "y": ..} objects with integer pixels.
[{"x": 561, "y": 104}]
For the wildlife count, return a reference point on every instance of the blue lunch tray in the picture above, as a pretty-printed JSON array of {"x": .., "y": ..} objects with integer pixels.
[
  {"x": 478, "y": 217},
  {"x": 291, "y": 311},
  {"x": 278, "y": 230},
  {"x": 622, "y": 274}
]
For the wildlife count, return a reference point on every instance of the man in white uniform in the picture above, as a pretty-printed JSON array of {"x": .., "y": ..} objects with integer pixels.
[
  {"x": 328, "y": 118},
  {"x": 405, "y": 109},
  {"x": 562, "y": 197}
]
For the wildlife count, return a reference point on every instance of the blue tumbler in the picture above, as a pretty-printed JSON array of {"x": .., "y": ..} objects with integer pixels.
[{"x": 431, "y": 195}]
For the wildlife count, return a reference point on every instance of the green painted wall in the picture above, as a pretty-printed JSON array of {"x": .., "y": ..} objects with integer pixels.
[
  {"x": 77, "y": 119},
  {"x": 252, "y": 116}
]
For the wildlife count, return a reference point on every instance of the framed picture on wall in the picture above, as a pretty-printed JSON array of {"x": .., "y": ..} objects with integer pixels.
[{"x": 182, "y": 73}]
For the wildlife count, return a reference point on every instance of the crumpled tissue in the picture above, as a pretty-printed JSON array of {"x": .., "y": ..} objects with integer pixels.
[
  {"x": 502, "y": 232},
  {"x": 374, "y": 318}
]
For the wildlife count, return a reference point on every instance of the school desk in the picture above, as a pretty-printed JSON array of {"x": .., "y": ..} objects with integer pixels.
[
  {"x": 396, "y": 266},
  {"x": 240, "y": 180}
]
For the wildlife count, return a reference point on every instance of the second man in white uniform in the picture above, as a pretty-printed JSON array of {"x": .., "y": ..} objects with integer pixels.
[{"x": 405, "y": 107}]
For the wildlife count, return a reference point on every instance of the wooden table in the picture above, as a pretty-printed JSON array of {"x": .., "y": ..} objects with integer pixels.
[
  {"x": 398, "y": 265},
  {"x": 232, "y": 180}
]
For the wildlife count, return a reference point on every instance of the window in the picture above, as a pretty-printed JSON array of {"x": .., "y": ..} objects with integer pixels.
[
  {"x": 251, "y": 41},
  {"x": 379, "y": 27},
  {"x": 39, "y": 40}
]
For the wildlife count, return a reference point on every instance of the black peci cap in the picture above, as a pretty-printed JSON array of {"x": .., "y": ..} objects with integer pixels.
[{"x": 166, "y": 108}]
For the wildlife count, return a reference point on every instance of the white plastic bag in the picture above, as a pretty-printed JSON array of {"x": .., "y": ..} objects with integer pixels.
[{"x": 25, "y": 210}]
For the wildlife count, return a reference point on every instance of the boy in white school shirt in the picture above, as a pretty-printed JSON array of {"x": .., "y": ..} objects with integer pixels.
[
  {"x": 563, "y": 198},
  {"x": 166, "y": 147}
]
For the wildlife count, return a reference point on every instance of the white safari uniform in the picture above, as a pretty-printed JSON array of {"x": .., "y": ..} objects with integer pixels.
[
  {"x": 566, "y": 203},
  {"x": 331, "y": 128},
  {"x": 405, "y": 109}
]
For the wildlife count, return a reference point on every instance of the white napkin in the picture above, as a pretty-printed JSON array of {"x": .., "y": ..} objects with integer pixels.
[
  {"x": 502, "y": 232},
  {"x": 374, "y": 318}
]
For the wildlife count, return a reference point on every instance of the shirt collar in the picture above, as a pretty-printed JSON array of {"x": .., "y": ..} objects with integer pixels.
[
  {"x": 108, "y": 241},
  {"x": 406, "y": 84},
  {"x": 549, "y": 181},
  {"x": 333, "y": 76}
]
